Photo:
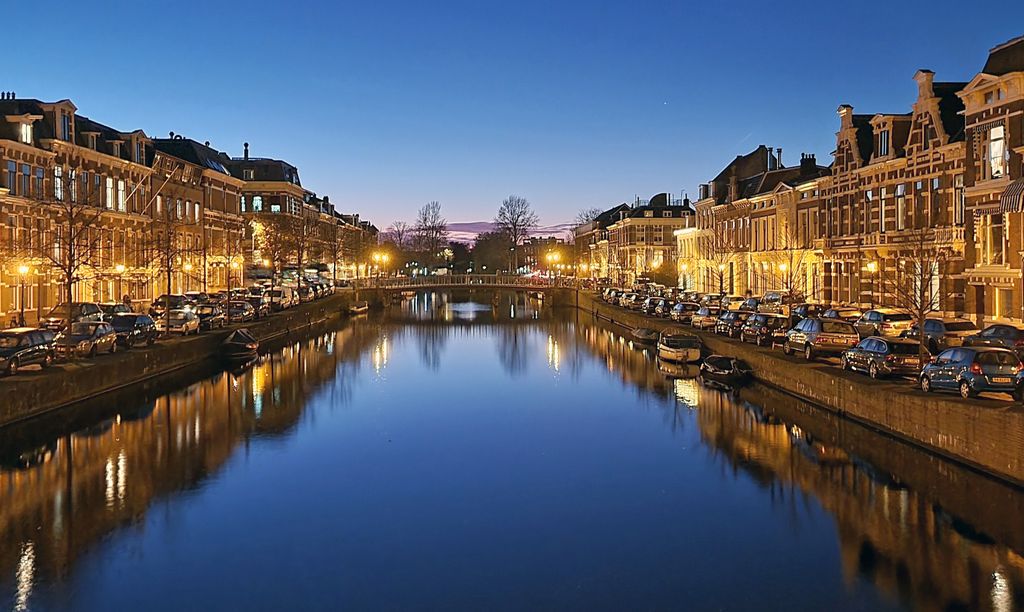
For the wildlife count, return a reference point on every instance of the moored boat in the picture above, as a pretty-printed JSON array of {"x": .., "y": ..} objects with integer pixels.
[
  {"x": 359, "y": 307},
  {"x": 677, "y": 344},
  {"x": 240, "y": 345},
  {"x": 725, "y": 370},
  {"x": 643, "y": 335}
]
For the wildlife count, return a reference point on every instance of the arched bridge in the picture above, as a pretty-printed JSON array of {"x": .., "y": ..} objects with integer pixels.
[{"x": 466, "y": 281}]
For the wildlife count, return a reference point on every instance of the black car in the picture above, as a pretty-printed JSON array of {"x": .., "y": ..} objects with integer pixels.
[
  {"x": 764, "y": 329},
  {"x": 750, "y": 304},
  {"x": 210, "y": 317},
  {"x": 730, "y": 322},
  {"x": 113, "y": 308},
  {"x": 806, "y": 311},
  {"x": 240, "y": 311},
  {"x": 134, "y": 329},
  {"x": 23, "y": 346},
  {"x": 1000, "y": 335},
  {"x": 879, "y": 356},
  {"x": 174, "y": 302},
  {"x": 81, "y": 312},
  {"x": 260, "y": 304}
]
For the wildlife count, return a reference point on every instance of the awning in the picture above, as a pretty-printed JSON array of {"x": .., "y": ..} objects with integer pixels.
[{"x": 1012, "y": 199}]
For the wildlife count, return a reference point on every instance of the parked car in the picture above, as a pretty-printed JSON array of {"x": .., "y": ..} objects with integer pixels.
[
  {"x": 1004, "y": 335},
  {"x": 85, "y": 339},
  {"x": 165, "y": 302},
  {"x": 631, "y": 301},
  {"x": 257, "y": 290},
  {"x": 849, "y": 314},
  {"x": 81, "y": 312},
  {"x": 972, "y": 370},
  {"x": 730, "y": 322},
  {"x": 649, "y": 304},
  {"x": 705, "y": 317},
  {"x": 883, "y": 322},
  {"x": 22, "y": 346},
  {"x": 305, "y": 293},
  {"x": 942, "y": 333},
  {"x": 182, "y": 322},
  {"x": 799, "y": 312},
  {"x": 197, "y": 297},
  {"x": 113, "y": 308},
  {"x": 260, "y": 305},
  {"x": 820, "y": 337},
  {"x": 133, "y": 329},
  {"x": 240, "y": 311},
  {"x": 750, "y": 304},
  {"x": 731, "y": 302},
  {"x": 281, "y": 298},
  {"x": 218, "y": 297},
  {"x": 765, "y": 329},
  {"x": 211, "y": 316},
  {"x": 664, "y": 308},
  {"x": 777, "y": 302},
  {"x": 879, "y": 356},
  {"x": 711, "y": 299},
  {"x": 688, "y": 296},
  {"x": 684, "y": 311}
]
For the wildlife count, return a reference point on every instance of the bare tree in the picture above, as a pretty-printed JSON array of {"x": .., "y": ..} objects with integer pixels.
[
  {"x": 399, "y": 233},
  {"x": 515, "y": 219},
  {"x": 74, "y": 246},
  {"x": 270, "y": 236},
  {"x": 175, "y": 236},
  {"x": 586, "y": 215},
  {"x": 431, "y": 231},
  {"x": 789, "y": 260},
  {"x": 716, "y": 251},
  {"x": 915, "y": 285}
]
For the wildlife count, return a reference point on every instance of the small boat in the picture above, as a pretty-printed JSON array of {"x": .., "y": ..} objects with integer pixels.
[
  {"x": 359, "y": 307},
  {"x": 724, "y": 370},
  {"x": 408, "y": 294},
  {"x": 240, "y": 345},
  {"x": 679, "y": 345},
  {"x": 643, "y": 335}
]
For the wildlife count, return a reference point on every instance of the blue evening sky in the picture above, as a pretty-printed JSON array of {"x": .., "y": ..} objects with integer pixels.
[{"x": 384, "y": 105}]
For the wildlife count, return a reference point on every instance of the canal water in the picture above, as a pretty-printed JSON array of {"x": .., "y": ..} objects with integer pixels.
[{"x": 478, "y": 451}]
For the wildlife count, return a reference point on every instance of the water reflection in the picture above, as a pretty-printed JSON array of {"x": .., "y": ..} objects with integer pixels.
[{"x": 923, "y": 533}]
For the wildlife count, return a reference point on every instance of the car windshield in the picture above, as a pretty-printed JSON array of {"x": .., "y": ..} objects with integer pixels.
[
  {"x": 177, "y": 317},
  {"x": 60, "y": 310},
  {"x": 207, "y": 310},
  {"x": 82, "y": 329},
  {"x": 833, "y": 327},
  {"x": 961, "y": 326},
  {"x": 758, "y": 319},
  {"x": 9, "y": 341},
  {"x": 997, "y": 358},
  {"x": 898, "y": 316}
]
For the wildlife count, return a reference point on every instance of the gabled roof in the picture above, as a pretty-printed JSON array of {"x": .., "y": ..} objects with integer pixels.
[
  {"x": 865, "y": 136},
  {"x": 767, "y": 182},
  {"x": 28, "y": 106},
  {"x": 950, "y": 107},
  {"x": 263, "y": 169},
  {"x": 1006, "y": 58},
  {"x": 192, "y": 152}
]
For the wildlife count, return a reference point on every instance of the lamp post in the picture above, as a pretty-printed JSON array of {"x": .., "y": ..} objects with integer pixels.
[
  {"x": 872, "y": 267},
  {"x": 685, "y": 277},
  {"x": 119, "y": 268},
  {"x": 188, "y": 274},
  {"x": 785, "y": 281},
  {"x": 22, "y": 272}
]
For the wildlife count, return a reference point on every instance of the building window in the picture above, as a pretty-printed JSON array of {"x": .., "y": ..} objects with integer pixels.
[
  {"x": 12, "y": 177},
  {"x": 26, "y": 181},
  {"x": 58, "y": 183},
  {"x": 883, "y": 143},
  {"x": 996, "y": 152},
  {"x": 139, "y": 158},
  {"x": 241, "y": 203},
  {"x": 159, "y": 204},
  {"x": 197, "y": 212},
  {"x": 959, "y": 205},
  {"x": 901, "y": 206},
  {"x": 97, "y": 181},
  {"x": 25, "y": 134},
  {"x": 40, "y": 174},
  {"x": 110, "y": 193},
  {"x": 120, "y": 195},
  {"x": 257, "y": 203},
  {"x": 73, "y": 184},
  {"x": 248, "y": 174},
  {"x": 883, "y": 196},
  {"x": 179, "y": 211},
  {"x": 65, "y": 126}
]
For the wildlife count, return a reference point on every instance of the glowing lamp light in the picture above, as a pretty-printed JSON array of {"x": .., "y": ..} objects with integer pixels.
[
  {"x": 119, "y": 268},
  {"x": 23, "y": 270}
]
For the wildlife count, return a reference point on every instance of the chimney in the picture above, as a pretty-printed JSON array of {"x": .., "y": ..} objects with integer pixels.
[
  {"x": 924, "y": 79},
  {"x": 845, "y": 112},
  {"x": 808, "y": 164},
  {"x": 245, "y": 151},
  {"x": 778, "y": 157},
  {"x": 170, "y": 135},
  {"x": 206, "y": 144},
  {"x": 771, "y": 160}
]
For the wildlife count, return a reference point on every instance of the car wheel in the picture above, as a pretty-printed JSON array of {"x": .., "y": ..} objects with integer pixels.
[
  {"x": 873, "y": 370},
  {"x": 47, "y": 361},
  {"x": 92, "y": 351},
  {"x": 786, "y": 349},
  {"x": 113, "y": 347},
  {"x": 926, "y": 384},
  {"x": 809, "y": 352},
  {"x": 12, "y": 367},
  {"x": 965, "y": 390}
]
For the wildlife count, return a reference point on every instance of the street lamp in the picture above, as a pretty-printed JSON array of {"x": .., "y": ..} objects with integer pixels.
[
  {"x": 785, "y": 281},
  {"x": 119, "y": 268},
  {"x": 872, "y": 267},
  {"x": 686, "y": 279},
  {"x": 188, "y": 274},
  {"x": 721, "y": 278},
  {"x": 22, "y": 272}
]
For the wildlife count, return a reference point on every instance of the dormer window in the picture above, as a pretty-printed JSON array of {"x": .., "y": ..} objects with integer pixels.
[
  {"x": 648, "y": 213},
  {"x": 883, "y": 143},
  {"x": 92, "y": 141},
  {"x": 139, "y": 152},
  {"x": 116, "y": 148},
  {"x": 25, "y": 133},
  {"x": 65, "y": 126},
  {"x": 248, "y": 174}
]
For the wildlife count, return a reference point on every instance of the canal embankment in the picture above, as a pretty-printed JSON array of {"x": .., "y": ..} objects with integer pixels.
[
  {"x": 983, "y": 433},
  {"x": 35, "y": 392}
]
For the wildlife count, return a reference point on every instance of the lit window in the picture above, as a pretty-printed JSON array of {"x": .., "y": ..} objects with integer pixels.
[
  {"x": 26, "y": 133},
  {"x": 58, "y": 183},
  {"x": 883, "y": 143},
  {"x": 110, "y": 193},
  {"x": 996, "y": 152},
  {"x": 988, "y": 97},
  {"x": 120, "y": 195},
  {"x": 958, "y": 199},
  {"x": 257, "y": 203}
]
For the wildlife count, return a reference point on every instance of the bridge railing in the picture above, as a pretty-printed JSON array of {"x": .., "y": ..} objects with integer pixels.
[{"x": 463, "y": 280}]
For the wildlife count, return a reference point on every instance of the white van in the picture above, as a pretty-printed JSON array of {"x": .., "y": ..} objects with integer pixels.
[{"x": 282, "y": 297}]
